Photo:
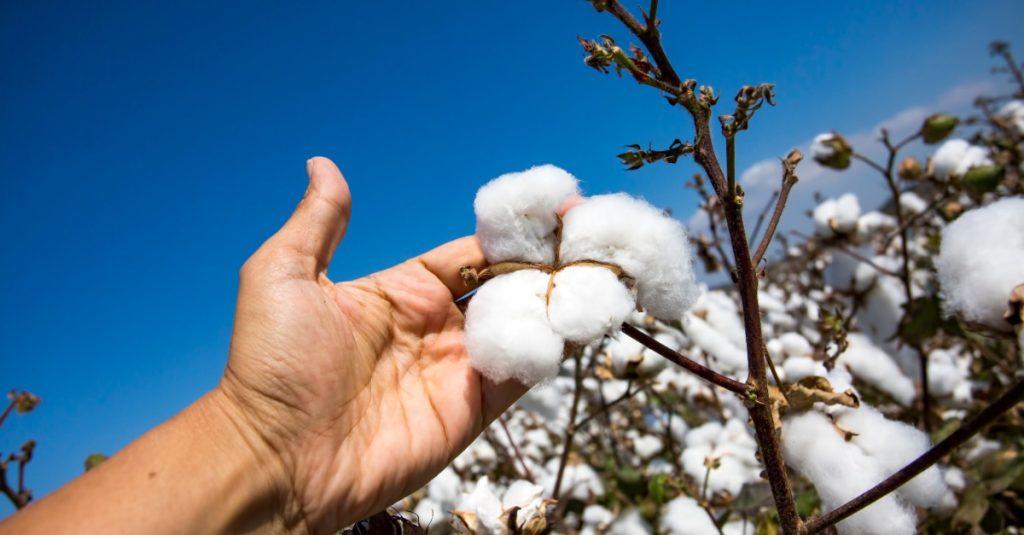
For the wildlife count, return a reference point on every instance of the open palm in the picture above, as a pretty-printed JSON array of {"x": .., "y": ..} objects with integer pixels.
[{"x": 361, "y": 390}]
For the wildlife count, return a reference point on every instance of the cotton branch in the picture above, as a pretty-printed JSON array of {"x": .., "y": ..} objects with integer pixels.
[
  {"x": 789, "y": 179},
  {"x": 989, "y": 414},
  {"x": 692, "y": 366},
  {"x": 662, "y": 75}
]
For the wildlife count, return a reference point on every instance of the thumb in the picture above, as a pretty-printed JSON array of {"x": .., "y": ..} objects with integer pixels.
[{"x": 316, "y": 227}]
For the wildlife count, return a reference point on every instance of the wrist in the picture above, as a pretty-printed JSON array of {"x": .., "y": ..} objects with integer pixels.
[{"x": 250, "y": 466}]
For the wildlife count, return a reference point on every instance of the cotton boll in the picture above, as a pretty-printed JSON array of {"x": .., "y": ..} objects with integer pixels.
[
  {"x": 715, "y": 345},
  {"x": 647, "y": 446},
  {"x": 684, "y": 516},
  {"x": 797, "y": 368},
  {"x": 739, "y": 527},
  {"x": 630, "y": 522},
  {"x": 507, "y": 330},
  {"x": 946, "y": 373},
  {"x": 546, "y": 400},
  {"x": 912, "y": 203},
  {"x": 873, "y": 222},
  {"x": 516, "y": 214},
  {"x": 528, "y": 498},
  {"x": 623, "y": 351},
  {"x": 721, "y": 313},
  {"x": 579, "y": 481},
  {"x": 597, "y": 517},
  {"x": 588, "y": 301},
  {"x": 485, "y": 504},
  {"x": 874, "y": 366},
  {"x": 795, "y": 345},
  {"x": 731, "y": 445},
  {"x": 1013, "y": 111},
  {"x": 955, "y": 157},
  {"x": 981, "y": 260},
  {"x": 444, "y": 488},
  {"x": 893, "y": 445},
  {"x": 647, "y": 244},
  {"x": 837, "y": 216},
  {"x": 840, "y": 471}
]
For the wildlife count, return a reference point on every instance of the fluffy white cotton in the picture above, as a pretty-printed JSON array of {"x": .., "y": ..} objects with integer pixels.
[
  {"x": 516, "y": 214},
  {"x": 872, "y": 222},
  {"x": 719, "y": 311},
  {"x": 819, "y": 147},
  {"x": 1013, "y": 111},
  {"x": 893, "y": 445},
  {"x": 597, "y": 517},
  {"x": 874, "y": 366},
  {"x": 650, "y": 246},
  {"x": 981, "y": 260},
  {"x": 647, "y": 446},
  {"x": 684, "y": 516},
  {"x": 797, "y": 368},
  {"x": 579, "y": 481},
  {"x": 507, "y": 330},
  {"x": 719, "y": 349},
  {"x": 731, "y": 445},
  {"x": 795, "y": 345},
  {"x": 837, "y": 216},
  {"x": 912, "y": 203},
  {"x": 840, "y": 471},
  {"x": 630, "y": 522},
  {"x": 485, "y": 505},
  {"x": 845, "y": 272},
  {"x": 949, "y": 375},
  {"x": 587, "y": 302},
  {"x": 955, "y": 157}
]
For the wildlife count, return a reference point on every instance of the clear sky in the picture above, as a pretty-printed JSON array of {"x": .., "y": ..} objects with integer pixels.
[{"x": 147, "y": 148}]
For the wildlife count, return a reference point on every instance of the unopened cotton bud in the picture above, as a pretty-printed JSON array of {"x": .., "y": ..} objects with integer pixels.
[
  {"x": 587, "y": 302},
  {"x": 937, "y": 127},
  {"x": 982, "y": 178},
  {"x": 910, "y": 168},
  {"x": 831, "y": 150},
  {"x": 516, "y": 214},
  {"x": 508, "y": 334}
]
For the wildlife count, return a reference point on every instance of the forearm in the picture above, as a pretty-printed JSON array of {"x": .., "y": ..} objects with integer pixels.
[{"x": 200, "y": 472}]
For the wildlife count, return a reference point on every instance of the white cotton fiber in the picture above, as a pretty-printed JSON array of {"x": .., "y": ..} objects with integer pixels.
[
  {"x": 587, "y": 302},
  {"x": 734, "y": 449},
  {"x": 912, "y": 203},
  {"x": 795, "y": 345},
  {"x": 1013, "y": 112},
  {"x": 874, "y": 366},
  {"x": 840, "y": 471},
  {"x": 981, "y": 260},
  {"x": 955, "y": 157},
  {"x": 797, "y": 368},
  {"x": 837, "y": 216},
  {"x": 872, "y": 222},
  {"x": 725, "y": 355},
  {"x": 507, "y": 330},
  {"x": 630, "y": 522},
  {"x": 893, "y": 445},
  {"x": 516, "y": 214},
  {"x": 648, "y": 245},
  {"x": 684, "y": 516}
]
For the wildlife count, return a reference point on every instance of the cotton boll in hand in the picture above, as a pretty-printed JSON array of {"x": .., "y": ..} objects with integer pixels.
[
  {"x": 587, "y": 302},
  {"x": 516, "y": 214},
  {"x": 981, "y": 260},
  {"x": 507, "y": 330},
  {"x": 647, "y": 244},
  {"x": 840, "y": 471}
]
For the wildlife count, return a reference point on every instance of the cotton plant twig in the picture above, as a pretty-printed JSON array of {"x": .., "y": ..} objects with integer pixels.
[
  {"x": 853, "y": 254},
  {"x": 692, "y": 366},
  {"x": 763, "y": 215},
  {"x": 970, "y": 428},
  {"x": 515, "y": 449},
  {"x": 789, "y": 179},
  {"x": 699, "y": 104},
  {"x": 887, "y": 172},
  {"x": 570, "y": 428}
]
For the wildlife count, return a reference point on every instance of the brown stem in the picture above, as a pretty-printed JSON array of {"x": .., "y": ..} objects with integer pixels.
[
  {"x": 650, "y": 37},
  {"x": 764, "y": 214},
  {"x": 692, "y": 366},
  {"x": 789, "y": 179},
  {"x": 629, "y": 393},
  {"x": 570, "y": 429},
  {"x": 7, "y": 411},
  {"x": 515, "y": 449},
  {"x": 989, "y": 414}
]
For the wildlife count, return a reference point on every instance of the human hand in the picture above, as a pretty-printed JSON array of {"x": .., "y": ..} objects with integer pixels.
[{"x": 352, "y": 394}]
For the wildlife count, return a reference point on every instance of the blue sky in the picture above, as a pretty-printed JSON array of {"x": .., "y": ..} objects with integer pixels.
[{"x": 146, "y": 149}]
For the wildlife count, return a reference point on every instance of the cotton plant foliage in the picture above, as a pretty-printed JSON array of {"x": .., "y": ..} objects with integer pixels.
[{"x": 564, "y": 279}]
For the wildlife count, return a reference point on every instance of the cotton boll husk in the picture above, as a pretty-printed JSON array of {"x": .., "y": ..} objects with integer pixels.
[
  {"x": 981, "y": 260},
  {"x": 587, "y": 302},
  {"x": 874, "y": 366},
  {"x": 529, "y": 498},
  {"x": 647, "y": 244},
  {"x": 955, "y": 157},
  {"x": 684, "y": 516},
  {"x": 516, "y": 214},
  {"x": 507, "y": 330},
  {"x": 820, "y": 147},
  {"x": 840, "y": 471},
  {"x": 893, "y": 445}
]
